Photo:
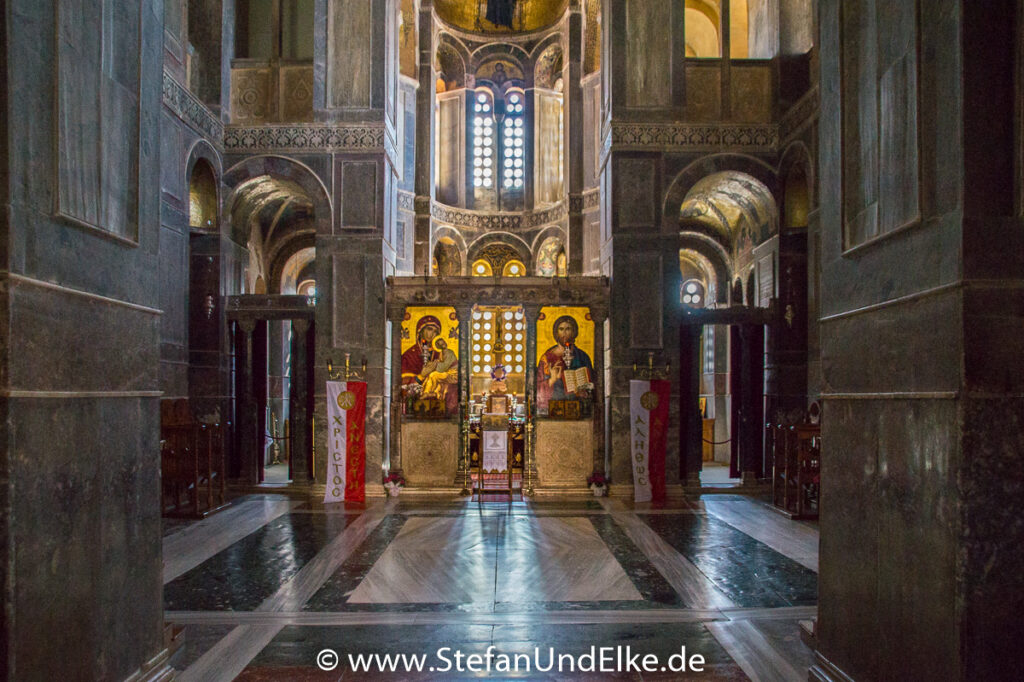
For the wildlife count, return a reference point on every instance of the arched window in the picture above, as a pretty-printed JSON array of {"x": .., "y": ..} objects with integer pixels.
[
  {"x": 202, "y": 197},
  {"x": 483, "y": 140},
  {"x": 693, "y": 294},
  {"x": 482, "y": 268},
  {"x": 514, "y": 142},
  {"x": 513, "y": 268}
]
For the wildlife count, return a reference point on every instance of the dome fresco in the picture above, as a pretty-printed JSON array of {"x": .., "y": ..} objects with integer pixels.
[{"x": 526, "y": 15}]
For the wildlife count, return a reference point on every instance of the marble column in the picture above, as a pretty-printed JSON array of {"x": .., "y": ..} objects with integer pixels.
[
  {"x": 397, "y": 315},
  {"x": 599, "y": 315},
  {"x": 425, "y": 124},
  {"x": 575, "y": 133},
  {"x": 301, "y": 431},
  {"x": 751, "y": 431},
  {"x": 531, "y": 312},
  {"x": 690, "y": 426},
  {"x": 246, "y": 416},
  {"x": 465, "y": 314}
]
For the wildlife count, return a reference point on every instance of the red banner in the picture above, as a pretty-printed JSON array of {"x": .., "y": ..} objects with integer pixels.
[
  {"x": 346, "y": 441},
  {"x": 648, "y": 413}
]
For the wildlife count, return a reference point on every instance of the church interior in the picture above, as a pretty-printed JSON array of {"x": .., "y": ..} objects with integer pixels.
[{"x": 330, "y": 327}]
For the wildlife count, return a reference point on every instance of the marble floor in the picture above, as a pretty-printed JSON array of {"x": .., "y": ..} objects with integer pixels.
[{"x": 269, "y": 587}]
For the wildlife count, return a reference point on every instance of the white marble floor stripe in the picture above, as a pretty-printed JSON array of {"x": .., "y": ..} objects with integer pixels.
[
  {"x": 692, "y": 585},
  {"x": 566, "y": 617},
  {"x": 754, "y": 653},
  {"x": 228, "y": 657},
  {"x": 194, "y": 544},
  {"x": 793, "y": 539}
]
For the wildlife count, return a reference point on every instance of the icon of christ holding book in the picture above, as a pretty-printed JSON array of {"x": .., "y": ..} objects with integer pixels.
[{"x": 564, "y": 370}]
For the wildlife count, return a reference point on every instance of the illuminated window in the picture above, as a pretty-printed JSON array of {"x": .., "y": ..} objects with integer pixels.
[
  {"x": 514, "y": 142},
  {"x": 693, "y": 294},
  {"x": 482, "y": 268},
  {"x": 483, "y": 142},
  {"x": 514, "y": 268},
  {"x": 498, "y": 340}
]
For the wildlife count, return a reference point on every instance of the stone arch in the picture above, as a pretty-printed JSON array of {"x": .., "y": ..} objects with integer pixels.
[
  {"x": 709, "y": 165},
  {"x": 287, "y": 169},
  {"x": 203, "y": 151},
  {"x": 505, "y": 238},
  {"x": 716, "y": 257},
  {"x": 451, "y": 55},
  {"x": 548, "y": 65},
  {"x": 510, "y": 51},
  {"x": 796, "y": 167}
]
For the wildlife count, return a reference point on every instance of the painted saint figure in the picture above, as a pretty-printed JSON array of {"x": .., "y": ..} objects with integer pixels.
[
  {"x": 419, "y": 361},
  {"x": 422, "y": 352},
  {"x": 561, "y": 359},
  {"x": 441, "y": 373}
]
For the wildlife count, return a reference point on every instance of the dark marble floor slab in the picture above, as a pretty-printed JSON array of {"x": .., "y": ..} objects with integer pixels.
[
  {"x": 333, "y": 596},
  {"x": 240, "y": 577},
  {"x": 749, "y": 572}
]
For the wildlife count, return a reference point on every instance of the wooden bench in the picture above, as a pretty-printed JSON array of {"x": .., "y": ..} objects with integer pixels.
[{"x": 192, "y": 462}]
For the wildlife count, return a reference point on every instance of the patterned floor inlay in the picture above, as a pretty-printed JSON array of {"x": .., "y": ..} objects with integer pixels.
[{"x": 410, "y": 576}]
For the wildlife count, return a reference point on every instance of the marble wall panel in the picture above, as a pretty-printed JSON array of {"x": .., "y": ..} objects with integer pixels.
[
  {"x": 564, "y": 452},
  {"x": 645, "y": 295},
  {"x": 86, "y": 537},
  {"x": 703, "y": 92},
  {"x": 98, "y": 116},
  {"x": 450, "y": 160},
  {"x": 251, "y": 96},
  {"x": 635, "y": 188},
  {"x": 296, "y": 93},
  {"x": 349, "y": 58},
  {"x": 648, "y": 53},
  {"x": 359, "y": 194},
  {"x": 430, "y": 453},
  {"x": 751, "y": 93}
]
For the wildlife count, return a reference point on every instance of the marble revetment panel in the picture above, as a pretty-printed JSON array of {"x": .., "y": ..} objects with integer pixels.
[
  {"x": 98, "y": 117},
  {"x": 648, "y": 53},
  {"x": 350, "y": 42},
  {"x": 565, "y": 452},
  {"x": 430, "y": 453}
]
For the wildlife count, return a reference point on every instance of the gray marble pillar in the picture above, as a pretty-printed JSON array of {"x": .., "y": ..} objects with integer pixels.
[
  {"x": 301, "y": 431},
  {"x": 465, "y": 315},
  {"x": 425, "y": 124},
  {"x": 575, "y": 133},
  {"x": 396, "y": 314},
  {"x": 248, "y": 443},
  {"x": 531, "y": 313}
]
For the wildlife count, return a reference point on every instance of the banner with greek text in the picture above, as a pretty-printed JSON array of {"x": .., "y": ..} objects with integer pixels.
[
  {"x": 648, "y": 415},
  {"x": 346, "y": 441}
]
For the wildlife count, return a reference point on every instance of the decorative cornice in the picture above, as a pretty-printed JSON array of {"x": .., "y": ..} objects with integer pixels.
[
  {"x": 189, "y": 109},
  {"x": 304, "y": 137},
  {"x": 799, "y": 115},
  {"x": 578, "y": 203},
  {"x": 575, "y": 290},
  {"x": 752, "y": 137},
  {"x": 484, "y": 220},
  {"x": 406, "y": 200}
]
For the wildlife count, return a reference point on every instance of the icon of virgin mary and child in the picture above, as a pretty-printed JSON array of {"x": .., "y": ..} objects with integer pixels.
[{"x": 430, "y": 369}]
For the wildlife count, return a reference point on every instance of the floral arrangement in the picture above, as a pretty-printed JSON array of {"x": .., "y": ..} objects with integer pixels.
[
  {"x": 394, "y": 482},
  {"x": 597, "y": 479}
]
